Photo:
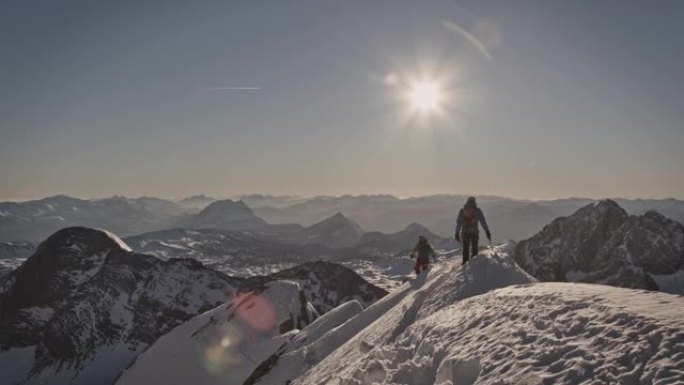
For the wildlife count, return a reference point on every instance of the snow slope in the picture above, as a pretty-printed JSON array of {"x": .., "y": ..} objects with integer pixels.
[
  {"x": 492, "y": 323},
  {"x": 387, "y": 319},
  {"x": 13, "y": 254},
  {"x": 84, "y": 306},
  {"x": 224, "y": 345},
  {"x": 535, "y": 334}
]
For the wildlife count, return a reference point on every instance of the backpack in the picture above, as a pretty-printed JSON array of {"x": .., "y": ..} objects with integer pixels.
[
  {"x": 423, "y": 252},
  {"x": 470, "y": 219}
]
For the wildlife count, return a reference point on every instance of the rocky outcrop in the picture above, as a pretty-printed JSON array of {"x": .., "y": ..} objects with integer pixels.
[
  {"x": 84, "y": 294},
  {"x": 84, "y": 306},
  {"x": 601, "y": 243}
]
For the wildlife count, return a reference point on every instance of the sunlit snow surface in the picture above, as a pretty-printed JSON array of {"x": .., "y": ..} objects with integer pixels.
[
  {"x": 487, "y": 323},
  {"x": 13, "y": 254},
  {"x": 445, "y": 333}
]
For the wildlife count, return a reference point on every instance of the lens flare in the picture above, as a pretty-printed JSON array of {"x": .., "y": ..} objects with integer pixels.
[
  {"x": 256, "y": 311},
  {"x": 425, "y": 96},
  {"x": 223, "y": 357},
  {"x": 252, "y": 318}
]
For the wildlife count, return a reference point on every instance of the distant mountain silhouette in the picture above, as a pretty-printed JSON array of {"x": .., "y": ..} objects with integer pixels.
[{"x": 225, "y": 215}]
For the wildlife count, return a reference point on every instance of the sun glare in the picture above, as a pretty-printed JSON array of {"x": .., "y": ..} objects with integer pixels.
[{"x": 425, "y": 96}]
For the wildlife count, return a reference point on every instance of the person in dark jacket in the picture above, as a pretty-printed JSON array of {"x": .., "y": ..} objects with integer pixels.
[
  {"x": 423, "y": 251},
  {"x": 467, "y": 229}
]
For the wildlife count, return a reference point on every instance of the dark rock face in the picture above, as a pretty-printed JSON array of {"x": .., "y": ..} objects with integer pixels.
[
  {"x": 325, "y": 284},
  {"x": 61, "y": 263},
  {"x": 652, "y": 241},
  {"x": 84, "y": 300},
  {"x": 84, "y": 292},
  {"x": 600, "y": 243}
]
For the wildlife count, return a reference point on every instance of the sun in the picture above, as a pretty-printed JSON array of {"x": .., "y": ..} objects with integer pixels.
[{"x": 425, "y": 96}]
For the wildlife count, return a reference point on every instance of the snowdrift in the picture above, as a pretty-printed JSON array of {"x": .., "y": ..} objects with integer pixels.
[
  {"x": 445, "y": 333},
  {"x": 384, "y": 322},
  {"x": 225, "y": 344}
]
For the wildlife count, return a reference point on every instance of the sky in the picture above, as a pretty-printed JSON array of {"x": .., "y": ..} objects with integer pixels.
[{"x": 537, "y": 98}]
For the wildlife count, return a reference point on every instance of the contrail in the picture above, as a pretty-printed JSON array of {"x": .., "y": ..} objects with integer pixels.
[
  {"x": 469, "y": 37},
  {"x": 233, "y": 88}
]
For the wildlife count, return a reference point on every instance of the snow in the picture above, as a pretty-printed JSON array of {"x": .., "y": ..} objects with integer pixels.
[
  {"x": 547, "y": 336},
  {"x": 325, "y": 323},
  {"x": 103, "y": 368},
  {"x": 15, "y": 363},
  {"x": 540, "y": 333},
  {"x": 13, "y": 254},
  {"x": 491, "y": 323},
  {"x": 390, "y": 316},
  {"x": 387, "y": 273},
  {"x": 116, "y": 239},
  {"x": 36, "y": 314},
  {"x": 223, "y": 345}
]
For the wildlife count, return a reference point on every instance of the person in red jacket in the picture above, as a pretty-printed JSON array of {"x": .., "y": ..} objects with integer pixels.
[
  {"x": 467, "y": 229},
  {"x": 422, "y": 251}
]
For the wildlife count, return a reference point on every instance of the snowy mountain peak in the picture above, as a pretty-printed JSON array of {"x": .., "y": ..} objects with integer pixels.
[
  {"x": 488, "y": 322},
  {"x": 226, "y": 206},
  {"x": 196, "y": 201},
  {"x": 378, "y": 329},
  {"x": 226, "y": 215},
  {"x": 83, "y": 306},
  {"x": 338, "y": 219},
  {"x": 61, "y": 263},
  {"x": 335, "y": 231},
  {"x": 325, "y": 284},
  {"x": 604, "y": 207},
  {"x": 416, "y": 227},
  {"x": 83, "y": 239},
  {"x": 600, "y": 243}
]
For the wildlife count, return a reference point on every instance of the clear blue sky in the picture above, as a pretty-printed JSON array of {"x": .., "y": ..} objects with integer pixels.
[{"x": 546, "y": 98}]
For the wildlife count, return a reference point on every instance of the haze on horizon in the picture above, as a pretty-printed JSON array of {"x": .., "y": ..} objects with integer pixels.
[{"x": 537, "y": 99}]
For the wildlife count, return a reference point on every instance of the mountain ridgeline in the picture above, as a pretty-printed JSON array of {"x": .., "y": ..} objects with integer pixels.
[
  {"x": 601, "y": 243},
  {"x": 512, "y": 219},
  {"x": 88, "y": 307},
  {"x": 84, "y": 305}
]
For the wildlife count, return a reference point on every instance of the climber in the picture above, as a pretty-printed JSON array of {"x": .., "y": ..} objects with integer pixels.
[
  {"x": 467, "y": 230},
  {"x": 422, "y": 251}
]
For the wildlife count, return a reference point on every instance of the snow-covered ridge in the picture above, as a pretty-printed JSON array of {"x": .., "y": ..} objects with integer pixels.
[
  {"x": 13, "y": 254},
  {"x": 486, "y": 323},
  {"x": 84, "y": 306},
  {"x": 532, "y": 334},
  {"x": 455, "y": 327},
  {"x": 225, "y": 344}
]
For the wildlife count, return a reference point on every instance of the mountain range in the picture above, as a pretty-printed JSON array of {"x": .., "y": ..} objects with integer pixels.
[
  {"x": 89, "y": 307},
  {"x": 508, "y": 218},
  {"x": 489, "y": 322},
  {"x": 84, "y": 305}
]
